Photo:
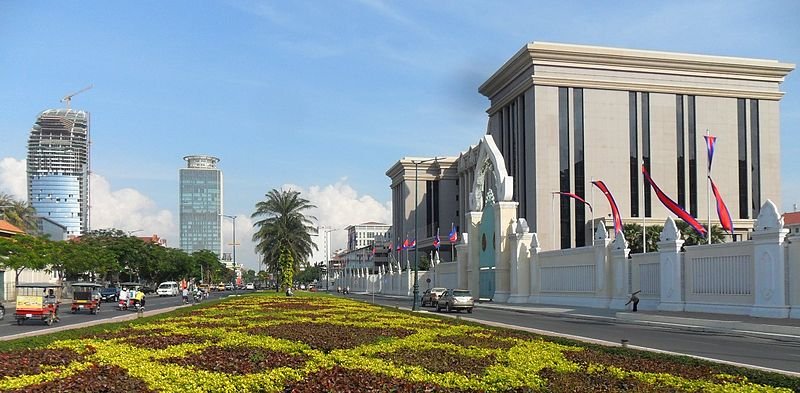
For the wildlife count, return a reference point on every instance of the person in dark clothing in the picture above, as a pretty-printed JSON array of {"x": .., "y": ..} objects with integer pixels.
[{"x": 635, "y": 300}]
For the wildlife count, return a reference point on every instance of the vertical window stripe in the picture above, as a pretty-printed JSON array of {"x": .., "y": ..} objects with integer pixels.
[
  {"x": 692, "y": 157},
  {"x": 679, "y": 145},
  {"x": 634, "y": 153},
  {"x": 744, "y": 205},
  {"x": 646, "y": 150},
  {"x": 580, "y": 173},
  {"x": 564, "y": 161},
  {"x": 755, "y": 158}
]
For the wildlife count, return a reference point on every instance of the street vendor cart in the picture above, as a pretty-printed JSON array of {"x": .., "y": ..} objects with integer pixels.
[
  {"x": 37, "y": 301},
  {"x": 85, "y": 297}
]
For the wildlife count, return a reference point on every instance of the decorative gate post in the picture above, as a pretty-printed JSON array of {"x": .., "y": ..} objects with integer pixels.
[
  {"x": 619, "y": 272},
  {"x": 505, "y": 216},
  {"x": 770, "y": 265},
  {"x": 462, "y": 268},
  {"x": 533, "y": 269},
  {"x": 602, "y": 265},
  {"x": 670, "y": 268},
  {"x": 519, "y": 242}
]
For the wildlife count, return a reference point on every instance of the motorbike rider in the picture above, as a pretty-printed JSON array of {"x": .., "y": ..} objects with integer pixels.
[
  {"x": 123, "y": 297},
  {"x": 140, "y": 299}
]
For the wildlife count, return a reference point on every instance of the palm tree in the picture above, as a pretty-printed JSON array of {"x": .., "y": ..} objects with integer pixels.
[
  {"x": 283, "y": 223},
  {"x": 18, "y": 212}
]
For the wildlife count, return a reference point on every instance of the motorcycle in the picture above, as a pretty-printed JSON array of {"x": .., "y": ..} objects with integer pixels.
[
  {"x": 122, "y": 305},
  {"x": 198, "y": 296}
]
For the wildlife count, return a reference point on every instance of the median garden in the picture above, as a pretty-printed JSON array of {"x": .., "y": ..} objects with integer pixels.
[{"x": 320, "y": 343}]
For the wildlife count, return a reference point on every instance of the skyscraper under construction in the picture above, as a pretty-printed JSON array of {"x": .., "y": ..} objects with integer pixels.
[{"x": 58, "y": 168}]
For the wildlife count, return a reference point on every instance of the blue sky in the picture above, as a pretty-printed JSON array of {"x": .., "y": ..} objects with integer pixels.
[{"x": 324, "y": 95}]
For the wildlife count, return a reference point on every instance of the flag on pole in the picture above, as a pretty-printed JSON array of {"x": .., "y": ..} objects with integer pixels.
[
  {"x": 406, "y": 244},
  {"x": 722, "y": 210},
  {"x": 710, "y": 142},
  {"x": 412, "y": 244},
  {"x": 436, "y": 240},
  {"x": 453, "y": 236},
  {"x": 614, "y": 209},
  {"x": 673, "y": 206},
  {"x": 576, "y": 197}
]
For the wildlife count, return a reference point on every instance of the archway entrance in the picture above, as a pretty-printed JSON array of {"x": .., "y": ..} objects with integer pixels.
[{"x": 488, "y": 246}]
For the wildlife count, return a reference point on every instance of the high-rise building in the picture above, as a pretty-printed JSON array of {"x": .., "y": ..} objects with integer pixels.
[
  {"x": 58, "y": 168},
  {"x": 201, "y": 205}
]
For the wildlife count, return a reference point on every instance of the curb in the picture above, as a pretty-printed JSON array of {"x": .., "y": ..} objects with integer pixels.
[{"x": 120, "y": 318}]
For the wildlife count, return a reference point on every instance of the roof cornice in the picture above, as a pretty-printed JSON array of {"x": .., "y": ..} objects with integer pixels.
[{"x": 631, "y": 60}]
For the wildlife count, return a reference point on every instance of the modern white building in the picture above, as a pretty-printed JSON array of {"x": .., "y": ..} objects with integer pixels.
[{"x": 363, "y": 235}]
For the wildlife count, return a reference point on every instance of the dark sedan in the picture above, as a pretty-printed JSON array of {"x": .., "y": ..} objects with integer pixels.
[{"x": 109, "y": 294}]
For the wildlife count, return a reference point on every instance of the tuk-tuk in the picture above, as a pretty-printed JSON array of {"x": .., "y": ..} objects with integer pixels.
[
  {"x": 86, "y": 296},
  {"x": 37, "y": 301}
]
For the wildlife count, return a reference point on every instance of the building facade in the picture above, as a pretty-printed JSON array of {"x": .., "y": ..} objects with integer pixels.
[
  {"x": 564, "y": 115},
  {"x": 58, "y": 168},
  {"x": 200, "y": 209},
  {"x": 363, "y": 235},
  {"x": 435, "y": 206}
]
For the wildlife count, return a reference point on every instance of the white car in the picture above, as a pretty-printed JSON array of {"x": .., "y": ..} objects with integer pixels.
[
  {"x": 250, "y": 286},
  {"x": 168, "y": 288}
]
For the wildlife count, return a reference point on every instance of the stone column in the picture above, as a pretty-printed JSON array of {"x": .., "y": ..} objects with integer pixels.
[
  {"x": 534, "y": 271},
  {"x": 505, "y": 218},
  {"x": 463, "y": 263},
  {"x": 519, "y": 273},
  {"x": 670, "y": 268},
  {"x": 619, "y": 272},
  {"x": 473, "y": 269},
  {"x": 602, "y": 265},
  {"x": 770, "y": 266}
]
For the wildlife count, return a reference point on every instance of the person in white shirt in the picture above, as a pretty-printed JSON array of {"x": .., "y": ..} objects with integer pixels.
[{"x": 123, "y": 296}]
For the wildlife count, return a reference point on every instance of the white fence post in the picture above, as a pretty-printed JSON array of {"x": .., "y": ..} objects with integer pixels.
[
  {"x": 619, "y": 272},
  {"x": 534, "y": 270},
  {"x": 520, "y": 263},
  {"x": 769, "y": 264},
  {"x": 602, "y": 265},
  {"x": 671, "y": 266}
]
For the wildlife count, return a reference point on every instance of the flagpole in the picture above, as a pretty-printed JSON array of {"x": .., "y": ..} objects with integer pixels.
[
  {"x": 591, "y": 209},
  {"x": 644, "y": 230},
  {"x": 708, "y": 192}
]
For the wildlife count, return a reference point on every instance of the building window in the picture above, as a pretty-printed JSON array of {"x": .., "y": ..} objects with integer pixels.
[
  {"x": 679, "y": 145},
  {"x": 580, "y": 173},
  {"x": 633, "y": 143},
  {"x": 755, "y": 158},
  {"x": 564, "y": 162},
  {"x": 744, "y": 205},
  {"x": 692, "y": 157},
  {"x": 646, "y": 150}
]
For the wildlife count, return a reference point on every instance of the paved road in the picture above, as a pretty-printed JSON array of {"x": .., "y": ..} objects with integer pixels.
[
  {"x": 770, "y": 353},
  {"x": 108, "y": 311}
]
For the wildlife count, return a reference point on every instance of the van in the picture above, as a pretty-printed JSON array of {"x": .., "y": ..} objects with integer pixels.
[{"x": 167, "y": 288}]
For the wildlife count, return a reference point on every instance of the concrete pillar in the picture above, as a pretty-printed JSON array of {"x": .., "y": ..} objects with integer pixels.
[
  {"x": 671, "y": 268},
  {"x": 534, "y": 269},
  {"x": 462, "y": 264},
  {"x": 602, "y": 264},
  {"x": 619, "y": 272},
  {"x": 520, "y": 243},
  {"x": 505, "y": 219},
  {"x": 473, "y": 269},
  {"x": 770, "y": 265},
  {"x": 793, "y": 249}
]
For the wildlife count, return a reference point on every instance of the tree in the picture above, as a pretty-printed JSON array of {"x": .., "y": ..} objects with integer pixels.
[
  {"x": 633, "y": 234},
  {"x": 310, "y": 274},
  {"x": 22, "y": 252},
  {"x": 18, "y": 213},
  {"x": 286, "y": 264},
  {"x": 692, "y": 238},
  {"x": 212, "y": 268},
  {"x": 282, "y": 224}
]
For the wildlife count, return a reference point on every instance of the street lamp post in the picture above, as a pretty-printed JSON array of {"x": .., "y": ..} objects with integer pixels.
[
  {"x": 327, "y": 232},
  {"x": 415, "y": 305},
  {"x": 233, "y": 218}
]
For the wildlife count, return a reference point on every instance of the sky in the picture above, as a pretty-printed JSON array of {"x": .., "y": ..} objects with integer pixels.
[{"x": 318, "y": 96}]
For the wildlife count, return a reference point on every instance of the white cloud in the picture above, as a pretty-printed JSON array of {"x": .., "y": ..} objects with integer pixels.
[
  {"x": 129, "y": 210},
  {"x": 12, "y": 178},
  {"x": 338, "y": 206}
]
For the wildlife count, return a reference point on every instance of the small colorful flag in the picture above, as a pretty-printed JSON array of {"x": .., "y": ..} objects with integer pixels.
[
  {"x": 406, "y": 244},
  {"x": 453, "y": 236},
  {"x": 614, "y": 209},
  {"x": 710, "y": 142},
  {"x": 436, "y": 240},
  {"x": 413, "y": 243},
  {"x": 722, "y": 210},
  {"x": 673, "y": 206}
]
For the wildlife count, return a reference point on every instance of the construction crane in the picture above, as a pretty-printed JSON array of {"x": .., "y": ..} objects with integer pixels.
[{"x": 67, "y": 98}]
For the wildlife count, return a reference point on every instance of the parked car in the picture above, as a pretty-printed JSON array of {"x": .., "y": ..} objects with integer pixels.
[
  {"x": 302, "y": 287},
  {"x": 221, "y": 286},
  {"x": 228, "y": 287},
  {"x": 455, "y": 299},
  {"x": 250, "y": 286},
  {"x": 167, "y": 288},
  {"x": 431, "y": 296},
  {"x": 110, "y": 294}
]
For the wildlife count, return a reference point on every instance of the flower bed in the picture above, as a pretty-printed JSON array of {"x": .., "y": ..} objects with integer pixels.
[{"x": 318, "y": 343}]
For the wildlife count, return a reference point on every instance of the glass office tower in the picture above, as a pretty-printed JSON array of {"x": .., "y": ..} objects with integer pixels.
[
  {"x": 58, "y": 168},
  {"x": 201, "y": 205}
]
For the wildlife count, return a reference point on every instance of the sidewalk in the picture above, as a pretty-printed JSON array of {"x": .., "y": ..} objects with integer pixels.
[{"x": 784, "y": 329}]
